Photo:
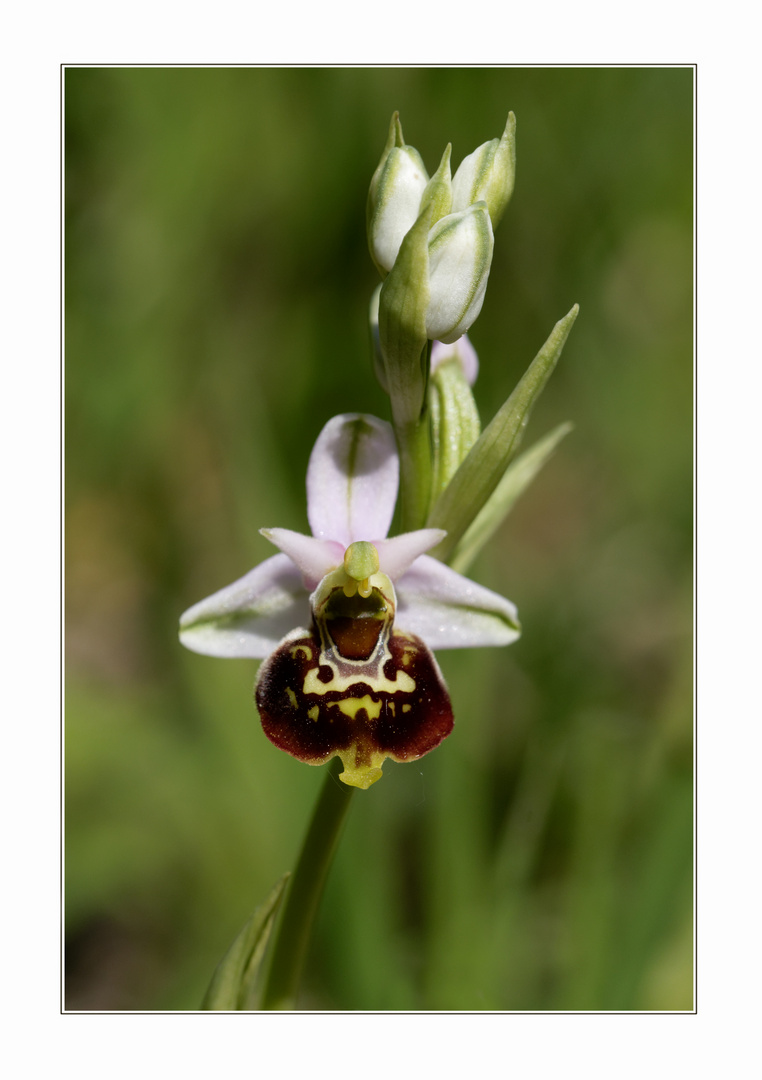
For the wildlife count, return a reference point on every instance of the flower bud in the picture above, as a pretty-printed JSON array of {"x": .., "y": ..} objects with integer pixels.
[
  {"x": 462, "y": 351},
  {"x": 454, "y": 418},
  {"x": 379, "y": 366},
  {"x": 394, "y": 198},
  {"x": 488, "y": 174},
  {"x": 460, "y": 256}
]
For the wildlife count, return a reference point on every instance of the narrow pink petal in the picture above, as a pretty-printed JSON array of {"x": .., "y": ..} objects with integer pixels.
[
  {"x": 400, "y": 552},
  {"x": 450, "y": 611},
  {"x": 352, "y": 479},
  {"x": 313, "y": 557},
  {"x": 249, "y": 617}
]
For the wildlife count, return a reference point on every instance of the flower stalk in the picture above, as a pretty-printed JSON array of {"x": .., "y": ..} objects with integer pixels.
[
  {"x": 416, "y": 472},
  {"x": 306, "y": 889}
]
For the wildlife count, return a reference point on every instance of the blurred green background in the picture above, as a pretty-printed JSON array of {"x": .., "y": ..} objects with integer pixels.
[{"x": 217, "y": 282}]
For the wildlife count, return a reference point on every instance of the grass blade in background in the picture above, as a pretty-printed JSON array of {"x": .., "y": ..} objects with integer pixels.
[{"x": 517, "y": 477}]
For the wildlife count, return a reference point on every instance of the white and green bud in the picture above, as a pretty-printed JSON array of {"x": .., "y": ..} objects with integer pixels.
[
  {"x": 460, "y": 351},
  {"x": 453, "y": 416},
  {"x": 488, "y": 174},
  {"x": 460, "y": 256},
  {"x": 375, "y": 339},
  {"x": 394, "y": 198}
]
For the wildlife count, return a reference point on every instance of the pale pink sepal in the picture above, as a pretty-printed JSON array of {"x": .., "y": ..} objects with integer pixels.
[
  {"x": 249, "y": 617},
  {"x": 352, "y": 479},
  {"x": 450, "y": 611}
]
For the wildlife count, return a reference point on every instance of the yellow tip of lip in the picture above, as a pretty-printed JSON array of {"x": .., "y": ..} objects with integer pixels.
[
  {"x": 361, "y": 778},
  {"x": 360, "y": 774}
]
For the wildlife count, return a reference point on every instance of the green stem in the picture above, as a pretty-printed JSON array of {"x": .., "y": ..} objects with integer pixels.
[
  {"x": 414, "y": 445},
  {"x": 293, "y": 936}
]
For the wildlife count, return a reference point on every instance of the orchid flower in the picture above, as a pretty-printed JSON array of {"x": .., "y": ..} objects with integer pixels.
[{"x": 345, "y": 619}]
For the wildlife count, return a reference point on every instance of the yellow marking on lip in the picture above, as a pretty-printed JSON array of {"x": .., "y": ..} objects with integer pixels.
[
  {"x": 306, "y": 649},
  {"x": 402, "y": 683},
  {"x": 314, "y": 712},
  {"x": 351, "y": 707},
  {"x": 291, "y": 696},
  {"x": 406, "y": 708}
]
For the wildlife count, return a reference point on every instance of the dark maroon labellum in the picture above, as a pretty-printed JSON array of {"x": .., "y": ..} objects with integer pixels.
[{"x": 357, "y": 688}]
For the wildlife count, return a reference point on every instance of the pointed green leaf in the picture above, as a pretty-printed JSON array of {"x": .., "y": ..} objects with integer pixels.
[
  {"x": 518, "y": 476},
  {"x": 233, "y": 983},
  {"x": 468, "y": 491},
  {"x": 438, "y": 191},
  {"x": 505, "y": 168}
]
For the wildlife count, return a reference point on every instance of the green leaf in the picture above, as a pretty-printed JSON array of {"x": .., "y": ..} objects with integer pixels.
[
  {"x": 479, "y": 475},
  {"x": 438, "y": 191},
  {"x": 233, "y": 985},
  {"x": 517, "y": 477}
]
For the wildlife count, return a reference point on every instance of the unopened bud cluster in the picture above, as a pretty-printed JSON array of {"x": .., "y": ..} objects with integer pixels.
[{"x": 452, "y": 248}]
